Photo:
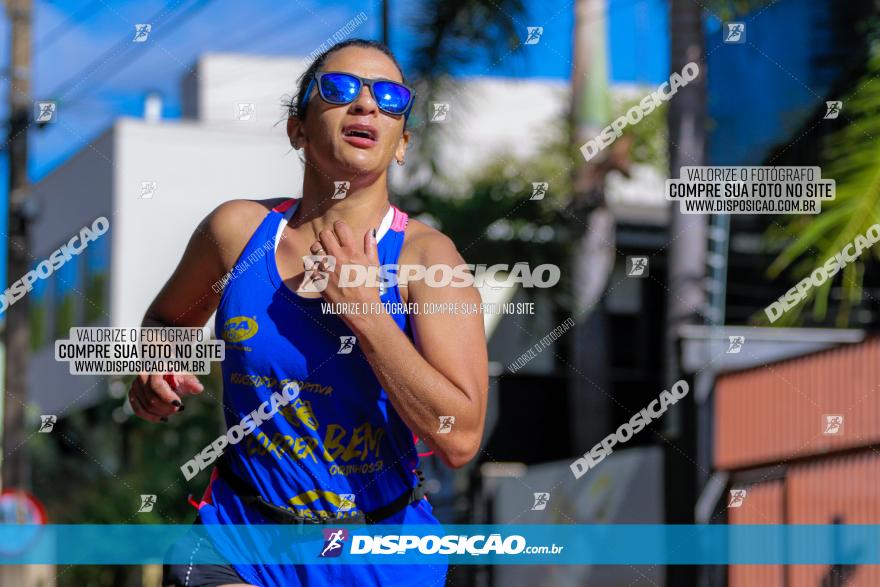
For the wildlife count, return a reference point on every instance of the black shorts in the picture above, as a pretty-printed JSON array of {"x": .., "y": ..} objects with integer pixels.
[{"x": 198, "y": 575}]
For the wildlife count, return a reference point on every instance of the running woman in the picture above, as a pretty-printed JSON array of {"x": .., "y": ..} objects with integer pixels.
[{"x": 362, "y": 384}]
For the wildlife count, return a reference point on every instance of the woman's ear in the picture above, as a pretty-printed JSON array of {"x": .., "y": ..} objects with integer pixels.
[
  {"x": 295, "y": 132},
  {"x": 402, "y": 143}
]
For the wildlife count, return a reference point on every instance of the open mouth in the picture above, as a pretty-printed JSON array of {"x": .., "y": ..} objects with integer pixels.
[{"x": 359, "y": 132}]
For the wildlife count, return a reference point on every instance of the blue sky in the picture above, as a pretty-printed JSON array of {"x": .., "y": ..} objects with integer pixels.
[{"x": 70, "y": 35}]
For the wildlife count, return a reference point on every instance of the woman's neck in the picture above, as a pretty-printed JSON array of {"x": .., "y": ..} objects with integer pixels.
[{"x": 360, "y": 205}]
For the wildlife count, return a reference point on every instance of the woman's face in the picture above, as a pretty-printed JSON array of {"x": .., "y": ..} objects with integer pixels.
[{"x": 323, "y": 134}]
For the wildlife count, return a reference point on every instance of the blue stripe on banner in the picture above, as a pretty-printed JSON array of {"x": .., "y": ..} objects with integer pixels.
[{"x": 572, "y": 544}]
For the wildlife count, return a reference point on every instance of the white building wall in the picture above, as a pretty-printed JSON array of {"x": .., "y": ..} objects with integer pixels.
[
  {"x": 196, "y": 168},
  {"x": 489, "y": 117},
  {"x": 219, "y": 82}
]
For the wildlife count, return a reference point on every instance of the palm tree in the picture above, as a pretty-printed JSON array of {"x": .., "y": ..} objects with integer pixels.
[{"x": 453, "y": 34}]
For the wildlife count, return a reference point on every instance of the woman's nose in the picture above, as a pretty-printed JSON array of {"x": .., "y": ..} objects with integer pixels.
[{"x": 364, "y": 102}]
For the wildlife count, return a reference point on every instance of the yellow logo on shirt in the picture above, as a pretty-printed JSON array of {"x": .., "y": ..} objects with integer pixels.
[
  {"x": 300, "y": 411},
  {"x": 308, "y": 497},
  {"x": 343, "y": 504},
  {"x": 239, "y": 328}
]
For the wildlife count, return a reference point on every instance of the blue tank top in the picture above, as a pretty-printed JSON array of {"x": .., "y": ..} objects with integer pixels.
[{"x": 339, "y": 448}]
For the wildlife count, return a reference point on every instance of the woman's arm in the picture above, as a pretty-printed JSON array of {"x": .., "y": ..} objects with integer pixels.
[
  {"x": 445, "y": 373},
  {"x": 188, "y": 299}
]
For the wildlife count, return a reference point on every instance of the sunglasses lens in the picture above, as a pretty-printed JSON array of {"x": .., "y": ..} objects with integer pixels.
[
  {"x": 339, "y": 88},
  {"x": 391, "y": 97}
]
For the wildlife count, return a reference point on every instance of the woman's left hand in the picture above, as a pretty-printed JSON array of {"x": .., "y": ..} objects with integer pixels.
[{"x": 344, "y": 255}]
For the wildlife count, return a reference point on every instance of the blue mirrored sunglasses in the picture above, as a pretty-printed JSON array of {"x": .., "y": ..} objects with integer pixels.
[{"x": 336, "y": 87}]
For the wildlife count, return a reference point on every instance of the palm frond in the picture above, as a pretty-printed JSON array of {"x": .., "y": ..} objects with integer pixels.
[{"x": 852, "y": 157}]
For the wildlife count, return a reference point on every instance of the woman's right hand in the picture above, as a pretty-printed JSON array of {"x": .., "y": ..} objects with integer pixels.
[{"x": 154, "y": 396}]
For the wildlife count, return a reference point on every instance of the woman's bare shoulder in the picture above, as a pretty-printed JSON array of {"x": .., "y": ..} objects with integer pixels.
[
  {"x": 231, "y": 224},
  {"x": 425, "y": 244}
]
